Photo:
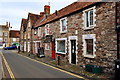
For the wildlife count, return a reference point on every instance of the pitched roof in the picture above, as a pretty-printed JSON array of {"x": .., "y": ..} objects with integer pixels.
[
  {"x": 33, "y": 18},
  {"x": 14, "y": 34},
  {"x": 40, "y": 19},
  {"x": 23, "y": 23},
  {"x": 67, "y": 10}
]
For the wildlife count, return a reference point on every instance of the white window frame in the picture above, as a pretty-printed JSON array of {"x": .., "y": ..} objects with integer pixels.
[
  {"x": 35, "y": 32},
  {"x": 85, "y": 21},
  {"x": 46, "y": 29},
  {"x": 39, "y": 31},
  {"x": 47, "y": 44},
  {"x": 14, "y": 39},
  {"x": 60, "y": 39},
  {"x": 73, "y": 38},
  {"x": 89, "y": 36},
  {"x": 61, "y": 25}
]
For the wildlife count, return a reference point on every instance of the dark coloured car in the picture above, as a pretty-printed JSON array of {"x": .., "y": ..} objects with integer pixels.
[{"x": 10, "y": 48}]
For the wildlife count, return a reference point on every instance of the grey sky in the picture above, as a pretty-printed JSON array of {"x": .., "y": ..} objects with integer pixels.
[{"x": 15, "y": 10}]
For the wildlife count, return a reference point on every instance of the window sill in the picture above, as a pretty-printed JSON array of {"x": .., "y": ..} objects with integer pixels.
[
  {"x": 62, "y": 32},
  {"x": 60, "y": 53},
  {"x": 89, "y": 56},
  {"x": 47, "y": 49},
  {"x": 89, "y": 28}
]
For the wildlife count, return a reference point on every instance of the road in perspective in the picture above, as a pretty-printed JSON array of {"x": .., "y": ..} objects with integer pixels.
[{"x": 23, "y": 67}]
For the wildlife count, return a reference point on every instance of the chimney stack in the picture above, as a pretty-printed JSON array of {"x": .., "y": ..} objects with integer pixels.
[
  {"x": 6, "y": 24},
  {"x": 47, "y": 9},
  {"x": 42, "y": 13}
]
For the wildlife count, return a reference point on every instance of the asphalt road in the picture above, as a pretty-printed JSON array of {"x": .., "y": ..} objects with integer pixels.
[{"x": 26, "y": 68}]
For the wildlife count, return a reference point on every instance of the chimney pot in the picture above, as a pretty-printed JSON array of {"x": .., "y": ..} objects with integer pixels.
[
  {"x": 42, "y": 13},
  {"x": 47, "y": 9}
]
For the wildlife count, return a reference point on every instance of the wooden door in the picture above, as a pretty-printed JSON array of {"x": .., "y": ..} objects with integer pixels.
[
  {"x": 53, "y": 50},
  {"x": 73, "y": 51}
]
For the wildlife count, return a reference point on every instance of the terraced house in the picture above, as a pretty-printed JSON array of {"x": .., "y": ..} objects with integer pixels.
[
  {"x": 81, "y": 33},
  {"x": 22, "y": 31},
  {"x": 4, "y": 35}
]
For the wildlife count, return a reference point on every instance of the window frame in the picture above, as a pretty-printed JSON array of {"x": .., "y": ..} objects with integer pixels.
[
  {"x": 47, "y": 44},
  {"x": 89, "y": 36},
  {"x": 85, "y": 20},
  {"x": 39, "y": 31},
  {"x": 61, "y": 39},
  {"x": 61, "y": 31},
  {"x": 46, "y": 29}
]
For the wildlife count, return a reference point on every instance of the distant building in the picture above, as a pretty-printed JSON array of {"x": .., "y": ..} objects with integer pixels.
[
  {"x": 4, "y": 35},
  {"x": 14, "y": 37}
]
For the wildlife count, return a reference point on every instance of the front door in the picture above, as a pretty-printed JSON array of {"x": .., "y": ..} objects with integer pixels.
[
  {"x": 53, "y": 49},
  {"x": 73, "y": 51}
]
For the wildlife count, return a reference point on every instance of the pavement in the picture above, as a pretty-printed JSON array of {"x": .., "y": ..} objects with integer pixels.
[
  {"x": 1, "y": 67},
  {"x": 23, "y": 67}
]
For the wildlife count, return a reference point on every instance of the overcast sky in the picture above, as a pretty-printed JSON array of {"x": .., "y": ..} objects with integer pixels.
[{"x": 14, "y": 10}]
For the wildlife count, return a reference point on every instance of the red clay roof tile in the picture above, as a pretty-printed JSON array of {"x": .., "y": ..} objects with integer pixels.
[{"x": 65, "y": 11}]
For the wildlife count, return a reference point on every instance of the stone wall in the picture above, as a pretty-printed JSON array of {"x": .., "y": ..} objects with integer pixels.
[{"x": 106, "y": 45}]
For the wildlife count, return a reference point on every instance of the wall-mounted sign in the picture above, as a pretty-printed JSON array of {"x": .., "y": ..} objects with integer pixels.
[{"x": 48, "y": 39}]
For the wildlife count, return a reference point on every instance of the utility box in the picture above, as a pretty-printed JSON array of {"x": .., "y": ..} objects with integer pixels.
[
  {"x": 97, "y": 69},
  {"x": 93, "y": 69},
  {"x": 117, "y": 69},
  {"x": 88, "y": 67},
  {"x": 41, "y": 52}
]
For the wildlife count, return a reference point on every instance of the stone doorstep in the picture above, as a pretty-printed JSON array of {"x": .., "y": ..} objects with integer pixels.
[{"x": 65, "y": 66}]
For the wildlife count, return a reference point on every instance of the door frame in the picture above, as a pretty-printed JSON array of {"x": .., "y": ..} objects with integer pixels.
[
  {"x": 73, "y": 38},
  {"x": 35, "y": 46}
]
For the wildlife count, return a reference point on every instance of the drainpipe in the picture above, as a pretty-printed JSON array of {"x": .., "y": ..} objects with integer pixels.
[{"x": 117, "y": 30}]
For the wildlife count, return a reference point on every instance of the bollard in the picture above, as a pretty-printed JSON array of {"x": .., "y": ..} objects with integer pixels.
[{"x": 58, "y": 59}]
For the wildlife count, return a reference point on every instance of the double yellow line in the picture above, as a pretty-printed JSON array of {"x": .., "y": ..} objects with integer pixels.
[
  {"x": 8, "y": 68},
  {"x": 77, "y": 76},
  {"x": 13, "y": 77}
]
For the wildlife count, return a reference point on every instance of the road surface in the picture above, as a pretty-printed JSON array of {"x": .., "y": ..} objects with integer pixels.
[{"x": 23, "y": 67}]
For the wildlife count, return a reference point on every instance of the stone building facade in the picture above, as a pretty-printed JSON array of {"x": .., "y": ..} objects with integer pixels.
[
  {"x": 92, "y": 42},
  {"x": 81, "y": 33},
  {"x": 22, "y": 33},
  {"x": 14, "y": 37},
  {"x": 4, "y": 35}
]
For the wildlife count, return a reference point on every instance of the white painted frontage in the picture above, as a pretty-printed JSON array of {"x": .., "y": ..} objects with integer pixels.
[
  {"x": 28, "y": 46},
  {"x": 24, "y": 46}
]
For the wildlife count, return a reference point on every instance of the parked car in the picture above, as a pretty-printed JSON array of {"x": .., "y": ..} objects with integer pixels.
[{"x": 10, "y": 47}]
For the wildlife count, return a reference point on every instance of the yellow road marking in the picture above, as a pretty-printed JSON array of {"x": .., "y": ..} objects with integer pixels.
[
  {"x": 8, "y": 68},
  {"x": 55, "y": 68}
]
